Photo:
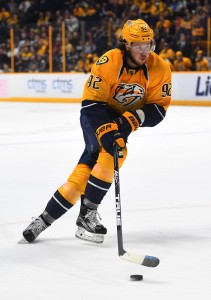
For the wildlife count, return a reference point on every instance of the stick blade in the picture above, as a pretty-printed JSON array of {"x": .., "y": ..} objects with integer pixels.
[{"x": 140, "y": 259}]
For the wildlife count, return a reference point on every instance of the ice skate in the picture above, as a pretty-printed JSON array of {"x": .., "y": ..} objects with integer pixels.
[
  {"x": 34, "y": 229},
  {"x": 89, "y": 227}
]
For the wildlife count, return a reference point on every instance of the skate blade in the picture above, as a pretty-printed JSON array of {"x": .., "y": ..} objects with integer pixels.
[{"x": 84, "y": 235}]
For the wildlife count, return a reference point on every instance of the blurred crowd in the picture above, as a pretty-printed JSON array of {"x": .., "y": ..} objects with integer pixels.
[{"x": 92, "y": 27}]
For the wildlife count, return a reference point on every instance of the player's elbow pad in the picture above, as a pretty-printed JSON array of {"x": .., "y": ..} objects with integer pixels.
[{"x": 154, "y": 114}]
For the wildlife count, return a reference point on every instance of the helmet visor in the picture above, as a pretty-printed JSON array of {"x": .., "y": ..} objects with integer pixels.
[{"x": 141, "y": 48}]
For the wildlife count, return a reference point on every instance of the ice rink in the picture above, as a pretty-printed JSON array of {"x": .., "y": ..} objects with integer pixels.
[{"x": 166, "y": 209}]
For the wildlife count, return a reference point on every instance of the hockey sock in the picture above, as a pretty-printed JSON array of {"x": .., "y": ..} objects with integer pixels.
[
  {"x": 96, "y": 189},
  {"x": 88, "y": 203},
  {"x": 56, "y": 207}
]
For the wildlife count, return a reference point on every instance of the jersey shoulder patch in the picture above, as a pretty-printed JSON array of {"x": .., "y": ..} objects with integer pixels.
[{"x": 102, "y": 60}]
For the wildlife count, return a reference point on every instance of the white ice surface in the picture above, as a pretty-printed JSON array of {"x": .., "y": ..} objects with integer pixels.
[{"x": 166, "y": 209}]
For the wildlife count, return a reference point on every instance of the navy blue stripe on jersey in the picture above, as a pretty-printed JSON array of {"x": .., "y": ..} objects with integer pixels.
[
  {"x": 57, "y": 206},
  {"x": 96, "y": 189},
  {"x": 154, "y": 114},
  {"x": 145, "y": 70},
  {"x": 120, "y": 72},
  {"x": 97, "y": 113}
]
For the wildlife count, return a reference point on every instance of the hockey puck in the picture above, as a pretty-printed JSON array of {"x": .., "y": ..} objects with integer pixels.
[{"x": 136, "y": 277}]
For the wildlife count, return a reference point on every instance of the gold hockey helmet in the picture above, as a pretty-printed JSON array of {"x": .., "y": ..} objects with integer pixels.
[{"x": 137, "y": 31}]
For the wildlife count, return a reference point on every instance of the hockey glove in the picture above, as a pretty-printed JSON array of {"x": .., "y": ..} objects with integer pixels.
[
  {"x": 107, "y": 135},
  {"x": 130, "y": 121}
]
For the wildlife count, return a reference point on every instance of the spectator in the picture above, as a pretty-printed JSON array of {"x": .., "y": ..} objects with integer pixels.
[
  {"x": 41, "y": 63},
  {"x": 91, "y": 12},
  {"x": 183, "y": 45},
  {"x": 163, "y": 23},
  {"x": 4, "y": 59},
  {"x": 186, "y": 23},
  {"x": 24, "y": 6},
  {"x": 32, "y": 64},
  {"x": 36, "y": 64},
  {"x": 43, "y": 19},
  {"x": 5, "y": 69},
  {"x": 71, "y": 21},
  {"x": 4, "y": 32},
  {"x": 4, "y": 13},
  {"x": 25, "y": 55},
  {"x": 198, "y": 27},
  {"x": 22, "y": 39},
  {"x": 79, "y": 11},
  {"x": 182, "y": 63},
  {"x": 174, "y": 5},
  {"x": 43, "y": 44},
  {"x": 12, "y": 20},
  {"x": 170, "y": 64},
  {"x": 167, "y": 53},
  {"x": 89, "y": 46},
  {"x": 74, "y": 40},
  {"x": 71, "y": 55},
  {"x": 90, "y": 60},
  {"x": 80, "y": 64},
  {"x": 201, "y": 63},
  {"x": 166, "y": 10}
]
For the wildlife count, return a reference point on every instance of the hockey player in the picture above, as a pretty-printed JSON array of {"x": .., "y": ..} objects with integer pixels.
[{"x": 129, "y": 87}]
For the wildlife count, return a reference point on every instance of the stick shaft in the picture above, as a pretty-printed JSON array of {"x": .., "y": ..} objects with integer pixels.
[
  {"x": 141, "y": 259},
  {"x": 118, "y": 201}
]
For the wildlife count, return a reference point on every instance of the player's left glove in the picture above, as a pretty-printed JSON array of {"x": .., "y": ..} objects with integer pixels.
[
  {"x": 108, "y": 134},
  {"x": 130, "y": 121}
]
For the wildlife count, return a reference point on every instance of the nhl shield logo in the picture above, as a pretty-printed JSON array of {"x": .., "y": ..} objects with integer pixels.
[{"x": 128, "y": 94}]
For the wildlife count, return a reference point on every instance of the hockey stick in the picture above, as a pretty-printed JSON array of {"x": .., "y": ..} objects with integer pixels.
[{"x": 145, "y": 260}]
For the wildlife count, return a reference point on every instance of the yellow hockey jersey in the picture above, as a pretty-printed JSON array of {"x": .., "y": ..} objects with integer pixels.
[{"x": 123, "y": 88}]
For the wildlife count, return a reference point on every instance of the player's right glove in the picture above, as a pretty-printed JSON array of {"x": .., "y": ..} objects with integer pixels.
[
  {"x": 107, "y": 134},
  {"x": 130, "y": 121}
]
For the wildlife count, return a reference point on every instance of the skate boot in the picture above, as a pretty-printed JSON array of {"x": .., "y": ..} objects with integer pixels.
[
  {"x": 34, "y": 229},
  {"x": 89, "y": 227}
]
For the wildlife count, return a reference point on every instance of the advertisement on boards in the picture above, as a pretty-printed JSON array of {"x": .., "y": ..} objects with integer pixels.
[
  {"x": 191, "y": 86},
  {"x": 4, "y": 88},
  {"x": 187, "y": 87},
  {"x": 50, "y": 86}
]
